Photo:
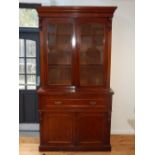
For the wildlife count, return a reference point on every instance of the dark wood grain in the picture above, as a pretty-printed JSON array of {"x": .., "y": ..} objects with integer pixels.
[{"x": 75, "y": 116}]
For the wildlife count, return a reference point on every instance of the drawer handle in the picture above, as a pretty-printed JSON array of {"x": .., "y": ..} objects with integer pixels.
[
  {"x": 57, "y": 102},
  {"x": 92, "y": 102}
]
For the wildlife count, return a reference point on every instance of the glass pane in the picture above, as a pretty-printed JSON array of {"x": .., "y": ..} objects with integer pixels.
[
  {"x": 91, "y": 54},
  {"x": 52, "y": 28},
  {"x": 31, "y": 79},
  {"x": 21, "y": 79},
  {"x": 60, "y": 28},
  {"x": 59, "y": 75},
  {"x": 31, "y": 66},
  {"x": 59, "y": 44},
  {"x": 91, "y": 75},
  {"x": 21, "y": 66},
  {"x": 51, "y": 40},
  {"x": 31, "y": 87},
  {"x": 21, "y": 87},
  {"x": 59, "y": 53},
  {"x": 28, "y": 18},
  {"x": 30, "y": 48},
  {"x": 21, "y": 48}
]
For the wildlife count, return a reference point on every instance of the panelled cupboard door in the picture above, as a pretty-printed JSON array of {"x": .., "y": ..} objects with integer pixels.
[
  {"x": 59, "y": 127},
  {"x": 92, "y": 50},
  {"x": 92, "y": 129},
  {"x": 59, "y": 48}
]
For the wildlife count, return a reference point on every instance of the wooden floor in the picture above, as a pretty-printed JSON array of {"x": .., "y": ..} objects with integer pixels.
[{"x": 121, "y": 145}]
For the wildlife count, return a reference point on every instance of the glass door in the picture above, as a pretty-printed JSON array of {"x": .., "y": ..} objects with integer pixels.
[
  {"x": 91, "y": 53},
  {"x": 59, "y": 49},
  {"x": 28, "y": 75}
]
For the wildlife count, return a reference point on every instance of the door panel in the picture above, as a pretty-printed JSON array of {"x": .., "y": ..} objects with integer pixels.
[
  {"x": 59, "y": 128},
  {"x": 28, "y": 106},
  {"x": 28, "y": 73},
  {"x": 21, "y": 107},
  {"x": 59, "y": 50},
  {"x": 91, "y": 129},
  {"x": 91, "y": 36},
  {"x": 31, "y": 108}
]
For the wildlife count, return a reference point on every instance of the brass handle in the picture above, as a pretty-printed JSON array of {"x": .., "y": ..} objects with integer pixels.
[
  {"x": 92, "y": 102},
  {"x": 57, "y": 102}
]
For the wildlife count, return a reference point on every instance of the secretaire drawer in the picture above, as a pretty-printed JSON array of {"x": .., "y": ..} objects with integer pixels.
[{"x": 76, "y": 103}]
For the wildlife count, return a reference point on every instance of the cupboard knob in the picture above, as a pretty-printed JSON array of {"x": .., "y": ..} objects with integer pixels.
[
  {"x": 57, "y": 102},
  {"x": 92, "y": 102}
]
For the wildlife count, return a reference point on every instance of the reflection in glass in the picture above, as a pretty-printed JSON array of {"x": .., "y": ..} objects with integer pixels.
[
  {"x": 21, "y": 79},
  {"x": 30, "y": 48},
  {"x": 21, "y": 48},
  {"x": 73, "y": 41},
  {"x": 21, "y": 66},
  {"x": 31, "y": 66},
  {"x": 31, "y": 79}
]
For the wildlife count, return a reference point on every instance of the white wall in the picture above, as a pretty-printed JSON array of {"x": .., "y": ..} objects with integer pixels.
[{"x": 122, "y": 68}]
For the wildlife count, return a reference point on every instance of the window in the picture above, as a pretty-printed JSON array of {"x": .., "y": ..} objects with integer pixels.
[
  {"x": 27, "y": 64},
  {"x": 28, "y": 17},
  {"x": 28, "y": 46}
]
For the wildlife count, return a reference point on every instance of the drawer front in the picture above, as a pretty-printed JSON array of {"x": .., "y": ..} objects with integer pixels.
[{"x": 50, "y": 103}]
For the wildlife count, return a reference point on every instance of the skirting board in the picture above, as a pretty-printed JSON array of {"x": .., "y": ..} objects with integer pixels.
[
  {"x": 28, "y": 127},
  {"x": 123, "y": 132},
  {"x": 35, "y": 127}
]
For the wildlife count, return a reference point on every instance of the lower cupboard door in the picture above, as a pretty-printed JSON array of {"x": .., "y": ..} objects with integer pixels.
[
  {"x": 93, "y": 129},
  {"x": 57, "y": 129}
]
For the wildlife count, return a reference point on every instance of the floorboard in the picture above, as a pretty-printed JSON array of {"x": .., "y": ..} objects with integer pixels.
[{"x": 121, "y": 145}]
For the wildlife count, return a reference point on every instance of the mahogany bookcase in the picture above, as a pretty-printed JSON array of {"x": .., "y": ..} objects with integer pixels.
[{"x": 75, "y": 99}]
